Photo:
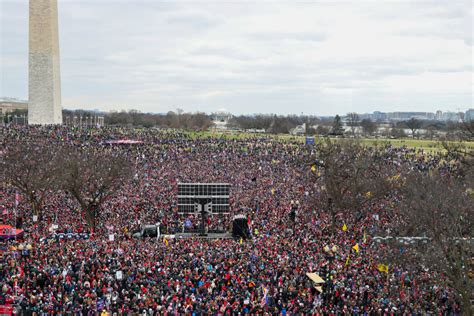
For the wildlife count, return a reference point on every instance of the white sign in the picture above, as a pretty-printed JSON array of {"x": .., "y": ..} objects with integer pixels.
[
  {"x": 119, "y": 275},
  {"x": 111, "y": 237},
  {"x": 35, "y": 218}
]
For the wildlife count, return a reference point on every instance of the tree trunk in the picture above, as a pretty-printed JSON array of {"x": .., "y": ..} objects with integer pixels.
[
  {"x": 465, "y": 294},
  {"x": 333, "y": 213},
  {"x": 91, "y": 216},
  {"x": 36, "y": 207},
  {"x": 466, "y": 305},
  {"x": 334, "y": 227}
]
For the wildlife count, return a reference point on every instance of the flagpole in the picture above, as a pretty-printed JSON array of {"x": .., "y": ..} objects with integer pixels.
[{"x": 158, "y": 233}]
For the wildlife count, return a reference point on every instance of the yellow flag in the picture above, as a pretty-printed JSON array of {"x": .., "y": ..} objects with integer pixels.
[
  {"x": 356, "y": 248},
  {"x": 382, "y": 267},
  {"x": 347, "y": 260},
  {"x": 344, "y": 228},
  {"x": 313, "y": 168},
  {"x": 166, "y": 241},
  {"x": 241, "y": 240},
  {"x": 395, "y": 177}
]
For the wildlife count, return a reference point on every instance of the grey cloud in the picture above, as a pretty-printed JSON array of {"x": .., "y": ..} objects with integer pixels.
[
  {"x": 448, "y": 33},
  {"x": 282, "y": 36},
  {"x": 193, "y": 20},
  {"x": 227, "y": 52},
  {"x": 462, "y": 68},
  {"x": 164, "y": 54}
]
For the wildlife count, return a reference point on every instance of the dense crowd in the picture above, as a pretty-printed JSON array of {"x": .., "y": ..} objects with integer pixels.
[{"x": 265, "y": 274}]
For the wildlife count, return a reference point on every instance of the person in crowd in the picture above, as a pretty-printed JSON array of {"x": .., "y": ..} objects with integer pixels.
[{"x": 266, "y": 274}]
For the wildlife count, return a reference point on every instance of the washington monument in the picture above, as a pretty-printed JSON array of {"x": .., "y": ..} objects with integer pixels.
[{"x": 44, "y": 86}]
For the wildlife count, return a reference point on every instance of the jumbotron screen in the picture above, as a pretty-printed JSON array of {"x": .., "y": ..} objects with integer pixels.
[{"x": 191, "y": 194}]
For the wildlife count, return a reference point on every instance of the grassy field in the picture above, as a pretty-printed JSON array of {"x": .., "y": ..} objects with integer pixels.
[
  {"x": 427, "y": 145},
  {"x": 244, "y": 135}
]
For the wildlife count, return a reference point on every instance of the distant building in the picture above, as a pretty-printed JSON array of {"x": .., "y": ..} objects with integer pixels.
[
  {"x": 451, "y": 117},
  {"x": 403, "y": 116},
  {"x": 10, "y": 105},
  {"x": 299, "y": 130},
  {"x": 379, "y": 116},
  {"x": 385, "y": 117},
  {"x": 469, "y": 116},
  {"x": 221, "y": 118}
]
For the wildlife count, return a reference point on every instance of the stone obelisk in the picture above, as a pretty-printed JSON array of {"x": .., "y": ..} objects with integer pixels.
[{"x": 44, "y": 85}]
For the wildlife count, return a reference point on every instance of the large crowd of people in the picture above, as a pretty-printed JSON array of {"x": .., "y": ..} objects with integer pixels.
[{"x": 265, "y": 274}]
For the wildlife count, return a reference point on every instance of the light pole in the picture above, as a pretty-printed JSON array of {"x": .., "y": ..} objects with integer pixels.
[{"x": 158, "y": 231}]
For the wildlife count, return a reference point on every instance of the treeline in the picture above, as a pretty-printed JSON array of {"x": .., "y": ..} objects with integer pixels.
[
  {"x": 277, "y": 124},
  {"x": 179, "y": 119},
  {"x": 415, "y": 128},
  {"x": 350, "y": 125}
]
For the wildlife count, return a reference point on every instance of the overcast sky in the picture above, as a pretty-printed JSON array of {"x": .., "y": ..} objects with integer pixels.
[{"x": 315, "y": 57}]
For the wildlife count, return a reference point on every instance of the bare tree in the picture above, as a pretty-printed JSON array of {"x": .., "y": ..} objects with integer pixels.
[
  {"x": 368, "y": 126},
  {"x": 430, "y": 132},
  {"x": 32, "y": 169},
  {"x": 92, "y": 177},
  {"x": 337, "y": 128},
  {"x": 353, "y": 122},
  {"x": 397, "y": 132},
  {"x": 464, "y": 155},
  {"x": 196, "y": 121},
  {"x": 322, "y": 130},
  {"x": 440, "y": 209},
  {"x": 353, "y": 177},
  {"x": 172, "y": 120},
  {"x": 467, "y": 130},
  {"x": 413, "y": 124}
]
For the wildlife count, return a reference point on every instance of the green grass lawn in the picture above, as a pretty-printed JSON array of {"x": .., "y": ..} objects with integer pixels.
[{"x": 427, "y": 145}]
